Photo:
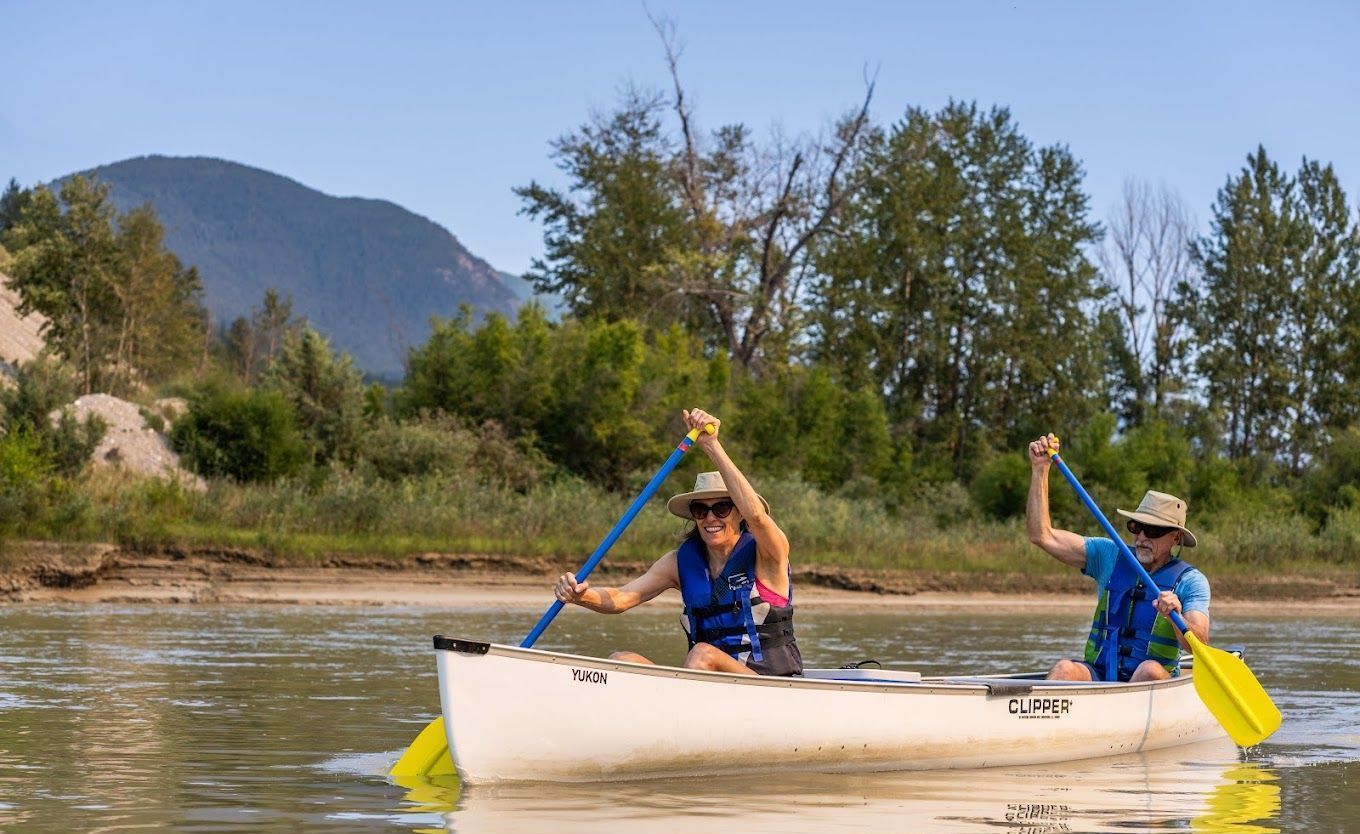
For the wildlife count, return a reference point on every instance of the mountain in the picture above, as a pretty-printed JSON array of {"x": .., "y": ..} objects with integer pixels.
[{"x": 367, "y": 273}]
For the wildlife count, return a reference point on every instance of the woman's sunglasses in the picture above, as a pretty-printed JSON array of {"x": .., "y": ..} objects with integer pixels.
[
  {"x": 1136, "y": 527},
  {"x": 720, "y": 509}
]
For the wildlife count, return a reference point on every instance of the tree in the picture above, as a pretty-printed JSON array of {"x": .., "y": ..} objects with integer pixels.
[
  {"x": 1326, "y": 306},
  {"x": 958, "y": 285},
  {"x": 120, "y": 307},
  {"x": 161, "y": 321},
  {"x": 62, "y": 266},
  {"x": 1280, "y": 286},
  {"x": 325, "y": 391},
  {"x": 1146, "y": 260},
  {"x": 608, "y": 236},
  {"x": 253, "y": 343},
  {"x": 12, "y": 204},
  {"x": 666, "y": 224}
]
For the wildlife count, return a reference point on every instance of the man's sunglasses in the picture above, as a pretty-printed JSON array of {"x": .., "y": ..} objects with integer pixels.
[
  {"x": 720, "y": 509},
  {"x": 1136, "y": 527}
]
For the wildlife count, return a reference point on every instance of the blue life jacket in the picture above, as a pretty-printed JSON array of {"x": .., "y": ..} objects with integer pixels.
[
  {"x": 727, "y": 612},
  {"x": 1127, "y": 629}
]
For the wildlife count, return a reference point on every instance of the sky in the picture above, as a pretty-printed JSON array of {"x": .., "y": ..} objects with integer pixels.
[{"x": 445, "y": 107}]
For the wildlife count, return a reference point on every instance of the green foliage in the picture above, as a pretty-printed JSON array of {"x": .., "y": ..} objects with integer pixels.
[
  {"x": 23, "y": 474},
  {"x": 325, "y": 391},
  {"x": 12, "y": 205},
  {"x": 43, "y": 388},
  {"x": 959, "y": 285},
  {"x": 608, "y": 251},
  {"x": 661, "y": 224},
  {"x": 242, "y": 435},
  {"x": 1281, "y": 283},
  {"x": 120, "y": 307},
  {"x": 251, "y": 344},
  {"x": 445, "y": 447},
  {"x": 1001, "y": 486},
  {"x": 1332, "y": 484}
]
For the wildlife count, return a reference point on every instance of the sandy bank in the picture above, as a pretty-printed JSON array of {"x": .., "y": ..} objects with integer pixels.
[{"x": 108, "y": 574}]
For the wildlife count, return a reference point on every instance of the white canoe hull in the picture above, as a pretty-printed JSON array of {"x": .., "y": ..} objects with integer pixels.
[{"x": 516, "y": 714}]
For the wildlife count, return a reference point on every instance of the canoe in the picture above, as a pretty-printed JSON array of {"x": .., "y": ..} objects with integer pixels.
[{"x": 513, "y": 714}]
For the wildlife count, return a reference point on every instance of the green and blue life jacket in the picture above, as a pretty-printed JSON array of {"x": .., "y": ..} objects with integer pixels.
[
  {"x": 1127, "y": 629},
  {"x": 727, "y": 611}
]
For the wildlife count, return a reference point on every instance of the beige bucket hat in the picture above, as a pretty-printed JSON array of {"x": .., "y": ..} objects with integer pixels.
[
  {"x": 706, "y": 485},
  {"x": 1161, "y": 510}
]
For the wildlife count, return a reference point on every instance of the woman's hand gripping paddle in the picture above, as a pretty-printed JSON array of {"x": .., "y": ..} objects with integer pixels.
[
  {"x": 1222, "y": 680},
  {"x": 429, "y": 755}
]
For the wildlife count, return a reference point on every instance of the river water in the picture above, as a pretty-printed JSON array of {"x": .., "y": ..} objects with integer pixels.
[{"x": 281, "y": 718}]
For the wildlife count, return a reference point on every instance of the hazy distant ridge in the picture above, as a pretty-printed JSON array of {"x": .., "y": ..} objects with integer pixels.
[{"x": 368, "y": 273}]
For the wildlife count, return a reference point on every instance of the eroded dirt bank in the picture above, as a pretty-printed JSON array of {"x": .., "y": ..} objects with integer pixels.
[{"x": 108, "y": 573}]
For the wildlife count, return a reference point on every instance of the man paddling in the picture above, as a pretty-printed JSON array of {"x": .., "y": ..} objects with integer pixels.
[{"x": 1131, "y": 637}]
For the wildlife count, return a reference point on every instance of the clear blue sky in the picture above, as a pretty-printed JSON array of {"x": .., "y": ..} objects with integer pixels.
[{"x": 443, "y": 107}]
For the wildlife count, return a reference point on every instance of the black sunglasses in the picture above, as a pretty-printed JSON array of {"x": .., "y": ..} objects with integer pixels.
[
  {"x": 721, "y": 509},
  {"x": 1136, "y": 527}
]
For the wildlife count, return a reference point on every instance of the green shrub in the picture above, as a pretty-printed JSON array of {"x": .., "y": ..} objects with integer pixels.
[
  {"x": 246, "y": 436},
  {"x": 24, "y": 470},
  {"x": 1001, "y": 485},
  {"x": 42, "y": 387},
  {"x": 423, "y": 446}
]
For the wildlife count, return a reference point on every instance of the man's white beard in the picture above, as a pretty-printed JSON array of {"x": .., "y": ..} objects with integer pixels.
[{"x": 1144, "y": 557}]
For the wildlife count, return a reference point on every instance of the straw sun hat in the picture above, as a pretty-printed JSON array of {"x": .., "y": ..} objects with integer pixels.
[
  {"x": 707, "y": 485},
  {"x": 1161, "y": 510}
]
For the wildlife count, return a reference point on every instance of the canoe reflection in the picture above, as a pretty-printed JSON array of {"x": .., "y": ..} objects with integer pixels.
[{"x": 1201, "y": 787}]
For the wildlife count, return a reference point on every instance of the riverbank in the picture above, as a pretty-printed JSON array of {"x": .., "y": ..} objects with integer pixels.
[{"x": 44, "y": 572}]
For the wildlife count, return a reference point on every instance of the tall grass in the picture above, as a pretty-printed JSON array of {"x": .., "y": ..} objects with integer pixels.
[{"x": 563, "y": 519}]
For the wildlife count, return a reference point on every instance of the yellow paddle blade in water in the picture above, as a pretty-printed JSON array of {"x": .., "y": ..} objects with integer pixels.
[
  {"x": 1232, "y": 693},
  {"x": 428, "y": 755}
]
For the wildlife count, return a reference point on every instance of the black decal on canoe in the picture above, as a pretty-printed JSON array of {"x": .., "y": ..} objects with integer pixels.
[
  {"x": 1039, "y": 707},
  {"x": 590, "y": 676}
]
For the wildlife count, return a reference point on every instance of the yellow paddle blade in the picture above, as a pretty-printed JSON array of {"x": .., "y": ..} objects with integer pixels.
[
  {"x": 428, "y": 755},
  {"x": 1232, "y": 693}
]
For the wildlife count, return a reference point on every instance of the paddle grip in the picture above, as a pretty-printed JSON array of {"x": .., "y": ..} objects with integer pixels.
[
  {"x": 1110, "y": 531},
  {"x": 603, "y": 548}
]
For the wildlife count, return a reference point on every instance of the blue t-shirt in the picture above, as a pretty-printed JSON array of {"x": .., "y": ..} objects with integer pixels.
[{"x": 1101, "y": 555}]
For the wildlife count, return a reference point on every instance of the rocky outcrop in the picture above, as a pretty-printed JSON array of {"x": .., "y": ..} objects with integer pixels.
[
  {"x": 20, "y": 336},
  {"x": 130, "y": 444}
]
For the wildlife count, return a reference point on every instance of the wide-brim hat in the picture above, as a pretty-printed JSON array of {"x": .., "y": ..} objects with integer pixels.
[
  {"x": 1161, "y": 510},
  {"x": 706, "y": 485}
]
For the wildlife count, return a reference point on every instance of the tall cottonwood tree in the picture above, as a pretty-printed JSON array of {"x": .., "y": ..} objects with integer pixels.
[
  {"x": 120, "y": 307},
  {"x": 64, "y": 252},
  {"x": 958, "y": 284},
  {"x": 662, "y": 222},
  {"x": 161, "y": 322},
  {"x": 1146, "y": 260},
  {"x": 1273, "y": 318}
]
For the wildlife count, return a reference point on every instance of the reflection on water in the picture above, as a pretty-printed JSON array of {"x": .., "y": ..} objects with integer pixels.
[
  {"x": 1202, "y": 788},
  {"x": 218, "y": 718}
]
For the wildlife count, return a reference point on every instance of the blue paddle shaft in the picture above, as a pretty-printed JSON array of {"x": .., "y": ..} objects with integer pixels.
[
  {"x": 598, "y": 555},
  {"x": 1114, "y": 536}
]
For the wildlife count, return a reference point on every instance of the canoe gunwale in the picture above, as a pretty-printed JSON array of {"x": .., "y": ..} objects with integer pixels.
[{"x": 970, "y": 685}]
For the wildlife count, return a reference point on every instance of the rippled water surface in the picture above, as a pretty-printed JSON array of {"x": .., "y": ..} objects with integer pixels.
[{"x": 214, "y": 718}]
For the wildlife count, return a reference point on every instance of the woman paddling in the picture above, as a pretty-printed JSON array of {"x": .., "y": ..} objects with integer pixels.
[{"x": 732, "y": 569}]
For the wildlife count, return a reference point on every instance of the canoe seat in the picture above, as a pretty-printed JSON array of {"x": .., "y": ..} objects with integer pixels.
[{"x": 863, "y": 675}]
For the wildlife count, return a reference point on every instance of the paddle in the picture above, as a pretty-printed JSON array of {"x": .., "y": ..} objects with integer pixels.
[
  {"x": 1222, "y": 680},
  {"x": 429, "y": 755}
]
